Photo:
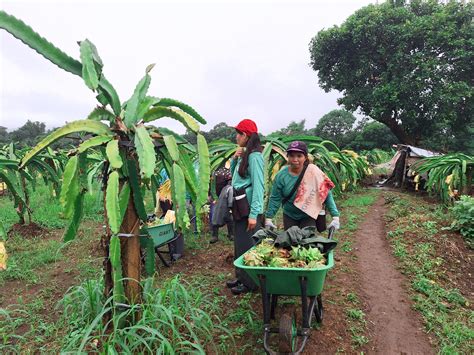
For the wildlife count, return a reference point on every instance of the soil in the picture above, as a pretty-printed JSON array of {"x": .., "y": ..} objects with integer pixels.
[
  {"x": 52, "y": 276},
  {"x": 369, "y": 271},
  {"x": 30, "y": 230},
  {"x": 396, "y": 328},
  {"x": 458, "y": 258}
]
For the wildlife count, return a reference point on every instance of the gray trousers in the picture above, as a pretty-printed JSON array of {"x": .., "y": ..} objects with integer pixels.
[{"x": 242, "y": 242}]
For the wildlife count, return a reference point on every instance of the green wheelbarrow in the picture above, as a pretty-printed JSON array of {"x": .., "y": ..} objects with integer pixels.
[
  {"x": 156, "y": 237},
  {"x": 306, "y": 283}
]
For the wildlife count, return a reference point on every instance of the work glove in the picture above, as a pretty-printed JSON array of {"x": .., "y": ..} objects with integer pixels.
[
  {"x": 269, "y": 224},
  {"x": 335, "y": 223}
]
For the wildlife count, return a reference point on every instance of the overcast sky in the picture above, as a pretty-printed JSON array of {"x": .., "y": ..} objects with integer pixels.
[{"x": 229, "y": 60}]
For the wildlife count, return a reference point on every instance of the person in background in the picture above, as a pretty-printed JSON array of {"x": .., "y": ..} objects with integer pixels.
[
  {"x": 302, "y": 208},
  {"x": 221, "y": 214},
  {"x": 247, "y": 168}
]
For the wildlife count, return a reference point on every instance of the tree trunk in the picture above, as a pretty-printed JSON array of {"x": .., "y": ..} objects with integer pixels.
[
  {"x": 105, "y": 243},
  {"x": 131, "y": 261},
  {"x": 19, "y": 211},
  {"x": 27, "y": 198},
  {"x": 466, "y": 189},
  {"x": 398, "y": 131}
]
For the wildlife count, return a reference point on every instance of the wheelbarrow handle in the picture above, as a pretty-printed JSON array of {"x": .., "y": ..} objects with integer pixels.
[{"x": 331, "y": 231}]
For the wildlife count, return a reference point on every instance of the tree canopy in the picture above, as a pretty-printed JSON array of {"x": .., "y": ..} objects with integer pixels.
[
  {"x": 406, "y": 65},
  {"x": 294, "y": 128},
  {"x": 28, "y": 134},
  {"x": 369, "y": 135},
  {"x": 335, "y": 125}
]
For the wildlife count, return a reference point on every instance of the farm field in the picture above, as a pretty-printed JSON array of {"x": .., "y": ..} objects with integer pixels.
[
  {"x": 432, "y": 285},
  {"x": 262, "y": 214}
]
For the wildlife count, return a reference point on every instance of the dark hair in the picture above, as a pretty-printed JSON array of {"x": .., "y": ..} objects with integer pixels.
[{"x": 253, "y": 145}]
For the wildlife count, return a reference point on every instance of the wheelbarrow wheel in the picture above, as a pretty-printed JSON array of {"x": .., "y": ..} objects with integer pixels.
[
  {"x": 288, "y": 333},
  {"x": 318, "y": 309}
]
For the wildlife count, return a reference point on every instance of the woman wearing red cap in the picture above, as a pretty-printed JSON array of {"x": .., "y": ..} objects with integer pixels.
[
  {"x": 247, "y": 175},
  {"x": 304, "y": 204}
]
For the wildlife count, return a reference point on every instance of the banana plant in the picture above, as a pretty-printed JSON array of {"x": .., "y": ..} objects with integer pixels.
[{"x": 132, "y": 148}]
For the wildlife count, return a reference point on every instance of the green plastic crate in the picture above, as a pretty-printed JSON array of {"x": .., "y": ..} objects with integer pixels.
[
  {"x": 161, "y": 234},
  {"x": 286, "y": 281}
]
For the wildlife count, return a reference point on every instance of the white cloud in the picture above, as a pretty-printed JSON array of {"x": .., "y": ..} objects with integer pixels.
[{"x": 227, "y": 59}]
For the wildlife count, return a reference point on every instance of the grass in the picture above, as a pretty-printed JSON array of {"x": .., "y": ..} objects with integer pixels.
[
  {"x": 76, "y": 321},
  {"x": 240, "y": 318},
  {"x": 30, "y": 258},
  {"x": 27, "y": 256},
  {"x": 415, "y": 233},
  {"x": 47, "y": 210},
  {"x": 356, "y": 320},
  {"x": 167, "y": 323}
]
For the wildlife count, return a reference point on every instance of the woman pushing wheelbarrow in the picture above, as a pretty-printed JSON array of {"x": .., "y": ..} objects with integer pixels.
[{"x": 294, "y": 262}]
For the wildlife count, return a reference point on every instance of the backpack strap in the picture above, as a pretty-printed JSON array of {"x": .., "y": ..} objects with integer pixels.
[{"x": 297, "y": 184}]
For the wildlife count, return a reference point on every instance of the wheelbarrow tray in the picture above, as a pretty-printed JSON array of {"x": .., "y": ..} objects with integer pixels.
[
  {"x": 161, "y": 234},
  {"x": 286, "y": 281}
]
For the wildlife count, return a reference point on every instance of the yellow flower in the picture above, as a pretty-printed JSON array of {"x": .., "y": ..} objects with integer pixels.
[
  {"x": 351, "y": 153},
  {"x": 3, "y": 256},
  {"x": 449, "y": 178}
]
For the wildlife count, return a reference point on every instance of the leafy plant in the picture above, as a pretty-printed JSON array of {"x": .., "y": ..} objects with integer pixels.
[
  {"x": 378, "y": 156},
  {"x": 167, "y": 325},
  {"x": 133, "y": 151},
  {"x": 448, "y": 175},
  {"x": 44, "y": 166},
  {"x": 463, "y": 212}
]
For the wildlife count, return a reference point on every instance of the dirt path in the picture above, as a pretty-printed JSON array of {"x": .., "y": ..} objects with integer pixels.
[{"x": 395, "y": 327}]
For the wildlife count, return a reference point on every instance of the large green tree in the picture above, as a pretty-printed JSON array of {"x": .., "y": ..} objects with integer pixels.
[
  {"x": 4, "y": 136},
  {"x": 294, "y": 128},
  {"x": 335, "y": 126},
  {"x": 219, "y": 131},
  {"x": 28, "y": 134},
  {"x": 369, "y": 135},
  {"x": 407, "y": 65}
]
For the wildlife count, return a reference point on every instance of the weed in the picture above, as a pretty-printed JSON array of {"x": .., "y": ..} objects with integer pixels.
[
  {"x": 356, "y": 314},
  {"x": 168, "y": 316},
  {"x": 445, "y": 311},
  {"x": 359, "y": 340},
  {"x": 346, "y": 246},
  {"x": 430, "y": 227},
  {"x": 29, "y": 255},
  {"x": 352, "y": 297}
]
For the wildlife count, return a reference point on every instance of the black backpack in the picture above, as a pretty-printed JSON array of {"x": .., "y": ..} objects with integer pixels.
[{"x": 222, "y": 177}]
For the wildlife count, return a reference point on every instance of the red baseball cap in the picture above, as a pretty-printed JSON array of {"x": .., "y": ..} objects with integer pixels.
[{"x": 247, "y": 126}]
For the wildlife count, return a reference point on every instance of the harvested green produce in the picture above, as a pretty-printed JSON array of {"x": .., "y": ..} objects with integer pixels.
[
  {"x": 252, "y": 258},
  {"x": 266, "y": 254},
  {"x": 279, "y": 262},
  {"x": 156, "y": 222},
  {"x": 306, "y": 254}
]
